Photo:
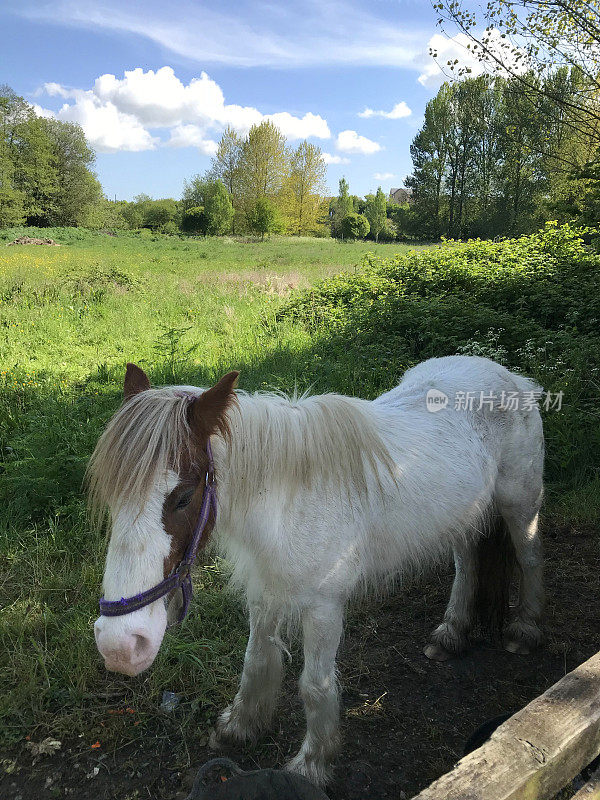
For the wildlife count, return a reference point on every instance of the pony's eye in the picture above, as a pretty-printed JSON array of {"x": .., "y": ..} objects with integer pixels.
[{"x": 184, "y": 499}]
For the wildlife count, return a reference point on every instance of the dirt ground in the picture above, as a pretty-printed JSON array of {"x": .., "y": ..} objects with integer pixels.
[{"x": 405, "y": 719}]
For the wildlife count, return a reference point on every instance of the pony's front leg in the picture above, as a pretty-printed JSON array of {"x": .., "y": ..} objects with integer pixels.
[
  {"x": 322, "y": 629},
  {"x": 253, "y": 705},
  {"x": 452, "y": 636}
]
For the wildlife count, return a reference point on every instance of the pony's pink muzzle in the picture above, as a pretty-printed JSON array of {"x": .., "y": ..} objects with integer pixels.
[{"x": 128, "y": 647}]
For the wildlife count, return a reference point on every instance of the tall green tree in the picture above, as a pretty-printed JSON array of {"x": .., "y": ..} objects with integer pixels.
[
  {"x": 46, "y": 167},
  {"x": 520, "y": 168},
  {"x": 226, "y": 165},
  {"x": 341, "y": 207},
  {"x": 305, "y": 186},
  {"x": 264, "y": 163},
  {"x": 430, "y": 156},
  {"x": 376, "y": 212},
  {"x": 12, "y": 211},
  {"x": 263, "y": 217},
  {"x": 355, "y": 226},
  {"x": 486, "y": 163},
  {"x": 197, "y": 190},
  {"x": 77, "y": 187},
  {"x": 37, "y": 171}
]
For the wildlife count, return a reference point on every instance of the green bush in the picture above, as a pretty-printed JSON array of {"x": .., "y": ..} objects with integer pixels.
[
  {"x": 60, "y": 235},
  {"x": 531, "y": 303},
  {"x": 389, "y": 232},
  {"x": 219, "y": 210},
  {"x": 355, "y": 226},
  {"x": 194, "y": 221},
  {"x": 263, "y": 217}
]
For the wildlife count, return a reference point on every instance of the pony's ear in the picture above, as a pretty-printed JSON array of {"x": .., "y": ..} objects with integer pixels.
[
  {"x": 208, "y": 413},
  {"x": 136, "y": 381}
]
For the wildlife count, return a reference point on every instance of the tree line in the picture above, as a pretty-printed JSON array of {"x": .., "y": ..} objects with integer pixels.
[
  {"x": 500, "y": 156},
  {"x": 271, "y": 186},
  {"x": 46, "y": 173},
  {"x": 495, "y": 156}
]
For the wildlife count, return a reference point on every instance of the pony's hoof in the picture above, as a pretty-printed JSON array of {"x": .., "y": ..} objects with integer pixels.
[
  {"x": 214, "y": 742},
  {"x": 233, "y": 728},
  {"x": 522, "y": 638},
  {"x": 316, "y": 772},
  {"x": 435, "y": 652}
]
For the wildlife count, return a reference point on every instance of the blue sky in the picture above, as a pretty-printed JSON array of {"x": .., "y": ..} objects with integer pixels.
[{"x": 153, "y": 83}]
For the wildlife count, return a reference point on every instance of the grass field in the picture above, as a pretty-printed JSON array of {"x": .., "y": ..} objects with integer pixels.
[
  {"x": 188, "y": 311},
  {"x": 71, "y": 317}
]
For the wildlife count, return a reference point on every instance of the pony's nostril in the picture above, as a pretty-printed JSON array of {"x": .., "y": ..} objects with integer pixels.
[{"x": 142, "y": 646}]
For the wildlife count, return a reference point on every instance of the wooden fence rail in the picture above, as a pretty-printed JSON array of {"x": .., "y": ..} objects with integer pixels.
[{"x": 535, "y": 753}]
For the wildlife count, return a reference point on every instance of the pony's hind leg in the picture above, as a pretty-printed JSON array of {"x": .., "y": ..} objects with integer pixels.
[
  {"x": 322, "y": 629},
  {"x": 518, "y": 497},
  {"x": 452, "y": 636},
  {"x": 523, "y": 632},
  {"x": 253, "y": 705}
]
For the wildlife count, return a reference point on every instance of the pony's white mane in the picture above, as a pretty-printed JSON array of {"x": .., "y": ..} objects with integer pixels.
[
  {"x": 297, "y": 442},
  {"x": 327, "y": 439},
  {"x": 146, "y": 436}
]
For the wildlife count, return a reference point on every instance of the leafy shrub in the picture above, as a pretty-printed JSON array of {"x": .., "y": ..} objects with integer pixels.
[
  {"x": 355, "y": 226},
  {"x": 320, "y": 231},
  {"x": 219, "y": 210},
  {"x": 263, "y": 217},
  {"x": 159, "y": 213},
  {"x": 61, "y": 235},
  {"x": 171, "y": 228},
  {"x": 389, "y": 232}
]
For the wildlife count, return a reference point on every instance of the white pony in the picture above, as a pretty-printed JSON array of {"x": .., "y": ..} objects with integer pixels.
[{"x": 318, "y": 497}]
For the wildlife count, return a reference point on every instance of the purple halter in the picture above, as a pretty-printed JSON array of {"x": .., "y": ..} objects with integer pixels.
[{"x": 180, "y": 577}]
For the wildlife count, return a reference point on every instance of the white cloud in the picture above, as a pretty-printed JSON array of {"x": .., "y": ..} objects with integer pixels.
[
  {"x": 301, "y": 127},
  {"x": 42, "y": 112},
  {"x": 56, "y": 90},
  {"x": 352, "y": 142},
  {"x": 119, "y": 113},
  {"x": 399, "y": 111},
  {"x": 328, "y": 158},
  {"x": 384, "y": 176},
  {"x": 448, "y": 49},
  {"x": 106, "y": 127},
  {"x": 192, "y": 136}
]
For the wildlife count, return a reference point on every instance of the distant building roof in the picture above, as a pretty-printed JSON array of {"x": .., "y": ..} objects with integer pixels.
[{"x": 400, "y": 195}]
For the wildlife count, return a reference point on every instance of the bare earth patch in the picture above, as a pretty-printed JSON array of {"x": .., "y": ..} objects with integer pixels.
[
  {"x": 30, "y": 240},
  {"x": 405, "y": 719}
]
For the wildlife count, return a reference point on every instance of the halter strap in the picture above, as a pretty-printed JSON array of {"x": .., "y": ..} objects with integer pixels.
[{"x": 181, "y": 576}]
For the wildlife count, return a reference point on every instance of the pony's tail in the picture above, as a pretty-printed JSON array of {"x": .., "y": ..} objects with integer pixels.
[{"x": 496, "y": 561}]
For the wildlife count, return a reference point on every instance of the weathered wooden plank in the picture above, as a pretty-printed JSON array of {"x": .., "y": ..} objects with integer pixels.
[
  {"x": 591, "y": 791},
  {"x": 537, "y": 751}
]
